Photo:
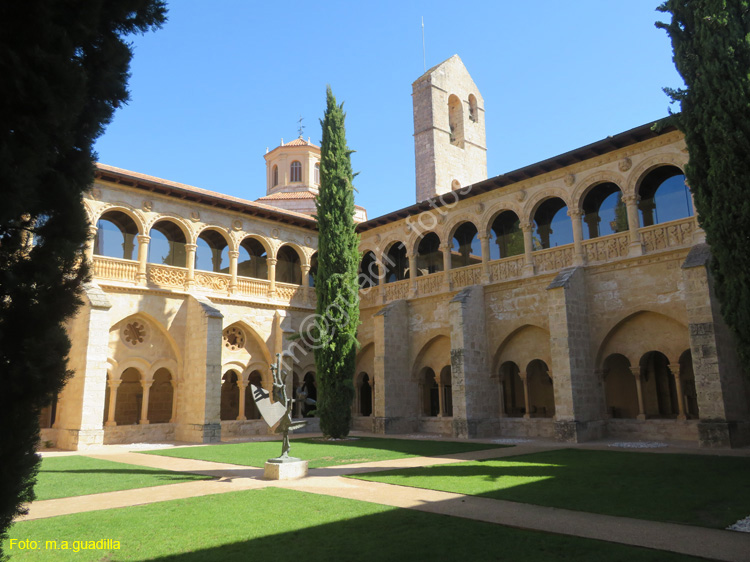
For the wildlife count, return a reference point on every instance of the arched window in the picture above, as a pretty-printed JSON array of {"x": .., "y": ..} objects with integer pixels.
[
  {"x": 473, "y": 115},
  {"x": 658, "y": 384},
  {"x": 317, "y": 173},
  {"x": 275, "y": 174},
  {"x": 288, "y": 266},
  {"x": 252, "y": 259},
  {"x": 160, "y": 397},
  {"x": 296, "y": 171},
  {"x": 467, "y": 249},
  {"x": 129, "y": 398},
  {"x": 230, "y": 396},
  {"x": 553, "y": 226},
  {"x": 664, "y": 196},
  {"x": 429, "y": 256},
  {"x": 620, "y": 389},
  {"x": 604, "y": 212},
  {"x": 365, "y": 395},
  {"x": 115, "y": 235},
  {"x": 541, "y": 393},
  {"x": 514, "y": 399},
  {"x": 167, "y": 244},
  {"x": 368, "y": 271},
  {"x": 313, "y": 269},
  {"x": 396, "y": 263},
  {"x": 456, "y": 121},
  {"x": 506, "y": 237},
  {"x": 212, "y": 253}
]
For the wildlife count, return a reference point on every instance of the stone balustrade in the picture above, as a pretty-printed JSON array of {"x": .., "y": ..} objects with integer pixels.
[
  {"x": 606, "y": 248},
  {"x": 115, "y": 269}
]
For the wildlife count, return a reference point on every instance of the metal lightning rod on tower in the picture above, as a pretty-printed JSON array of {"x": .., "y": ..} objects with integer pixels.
[{"x": 424, "y": 52}]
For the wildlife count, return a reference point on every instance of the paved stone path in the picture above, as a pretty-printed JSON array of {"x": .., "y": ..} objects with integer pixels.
[{"x": 696, "y": 541}]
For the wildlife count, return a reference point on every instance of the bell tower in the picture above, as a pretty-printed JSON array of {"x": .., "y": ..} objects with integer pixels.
[{"x": 450, "y": 146}]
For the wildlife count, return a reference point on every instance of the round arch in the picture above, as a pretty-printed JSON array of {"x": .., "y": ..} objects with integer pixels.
[{"x": 138, "y": 219}]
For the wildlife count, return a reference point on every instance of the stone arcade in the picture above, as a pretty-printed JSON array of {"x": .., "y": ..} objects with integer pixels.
[{"x": 567, "y": 299}]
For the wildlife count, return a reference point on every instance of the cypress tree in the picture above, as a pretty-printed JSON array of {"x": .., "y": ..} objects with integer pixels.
[
  {"x": 336, "y": 280},
  {"x": 711, "y": 42},
  {"x": 65, "y": 69}
]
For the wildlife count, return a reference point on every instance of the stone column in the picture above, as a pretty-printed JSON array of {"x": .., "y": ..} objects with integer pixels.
[
  {"x": 474, "y": 395},
  {"x": 89, "y": 252},
  {"x": 143, "y": 241},
  {"x": 634, "y": 223},
  {"x": 441, "y": 394},
  {"x": 592, "y": 221},
  {"x": 113, "y": 386},
  {"x": 305, "y": 275},
  {"x": 528, "y": 248},
  {"x": 190, "y": 258},
  {"x": 501, "y": 398},
  {"x": 639, "y": 391},
  {"x": 395, "y": 407},
  {"x": 233, "y": 257},
  {"x": 413, "y": 272},
  {"x": 243, "y": 382},
  {"x": 719, "y": 374},
  {"x": 381, "y": 278},
  {"x": 81, "y": 402},
  {"x": 271, "y": 277},
  {"x": 578, "y": 393},
  {"x": 146, "y": 385},
  {"x": 526, "y": 398},
  {"x": 446, "y": 249},
  {"x": 674, "y": 366},
  {"x": 575, "y": 218},
  {"x": 173, "y": 418},
  {"x": 485, "y": 242},
  {"x": 200, "y": 380}
]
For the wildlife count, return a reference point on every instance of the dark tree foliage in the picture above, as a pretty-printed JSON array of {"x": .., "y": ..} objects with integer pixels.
[
  {"x": 711, "y": 42},
  {"x": 336, "y": 280},
  {"x": 64, "y": 69}
]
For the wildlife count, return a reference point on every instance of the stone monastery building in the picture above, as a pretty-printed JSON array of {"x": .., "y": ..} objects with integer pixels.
[{"x": 569, "y": 299}]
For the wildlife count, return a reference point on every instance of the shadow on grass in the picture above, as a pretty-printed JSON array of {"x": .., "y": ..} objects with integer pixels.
[
  {"x": 698, "y": 490},
  {"x": 411, "y": 535}
]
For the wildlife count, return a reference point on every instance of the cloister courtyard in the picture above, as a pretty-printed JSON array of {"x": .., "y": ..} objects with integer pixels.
[{"x": 406, "y": 497}]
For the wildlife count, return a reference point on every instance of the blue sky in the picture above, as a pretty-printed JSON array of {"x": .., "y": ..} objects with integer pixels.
[{"x": 223, "y": 80}]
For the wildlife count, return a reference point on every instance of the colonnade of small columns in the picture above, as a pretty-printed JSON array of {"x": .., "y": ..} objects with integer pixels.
[
  {"x": 146, "y": 383},
  {"x": 527, "y": 227},
  {"x": 523, "y": 375},
  {"x": 190, "y": 251},
  {"x": 674, "y": 367}
]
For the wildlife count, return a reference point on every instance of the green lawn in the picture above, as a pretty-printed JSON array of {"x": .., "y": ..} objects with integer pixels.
[
  {"x": 284, "y": 525},
  {"x": 62, "y": 477},
  {"x": 708, "y": 491},
  {"x": 320, "y": 453}
]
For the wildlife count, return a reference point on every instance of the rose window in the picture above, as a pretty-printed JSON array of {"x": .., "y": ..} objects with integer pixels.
[{"x": 234, "y": 339}]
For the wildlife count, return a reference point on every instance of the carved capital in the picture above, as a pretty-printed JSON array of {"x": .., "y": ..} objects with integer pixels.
[
  {"x": 143, "y": 239},
  {"x": 234, "y": 254},
  {"x": 527, "y": 226},
  {"x": 575, "y": 213}
]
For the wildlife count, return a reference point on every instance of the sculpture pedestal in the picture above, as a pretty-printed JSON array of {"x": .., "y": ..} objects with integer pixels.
[{"x": 288, "y": 468}]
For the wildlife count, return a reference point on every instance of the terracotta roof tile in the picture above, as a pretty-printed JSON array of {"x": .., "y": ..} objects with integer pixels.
[
  {"x": 181, "y": 187},
  {"x": 288, "y": 195},
  {"x": 299, "y": 142}
]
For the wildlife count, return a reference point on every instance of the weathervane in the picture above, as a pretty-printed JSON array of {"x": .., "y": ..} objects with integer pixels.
[{"x": 300, "y": 126}]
